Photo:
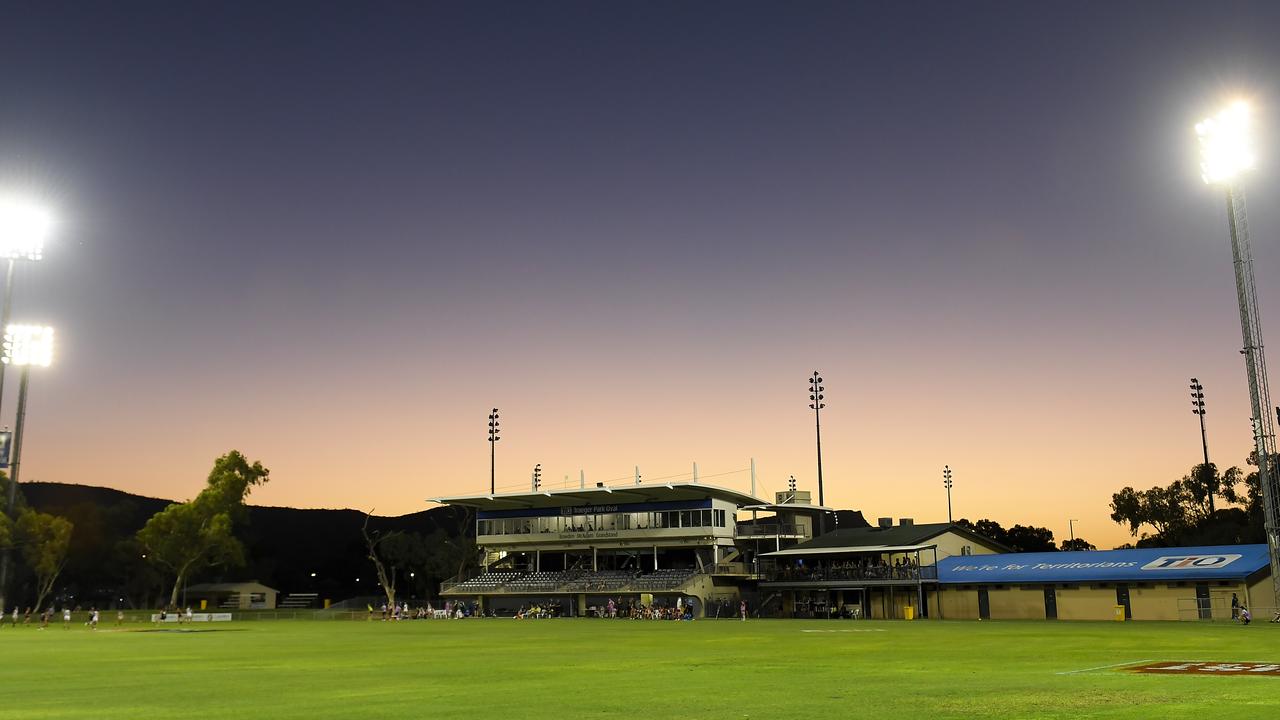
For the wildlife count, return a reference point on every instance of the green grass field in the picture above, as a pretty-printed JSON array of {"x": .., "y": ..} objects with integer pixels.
[{"x": 513, "y": 670}]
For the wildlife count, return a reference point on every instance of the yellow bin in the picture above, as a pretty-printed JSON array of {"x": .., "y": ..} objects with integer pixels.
[
  {"x": 908, "y": 613},
  {"x": 1119, "y": 613}
]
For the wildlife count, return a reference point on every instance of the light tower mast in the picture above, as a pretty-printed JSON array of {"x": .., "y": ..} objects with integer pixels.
[{"x": 1226, "y": 152}]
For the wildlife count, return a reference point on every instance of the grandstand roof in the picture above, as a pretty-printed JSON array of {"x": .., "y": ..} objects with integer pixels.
[
  {"x": 240, "y": 587},
  {"x": 607, "y": 495},
  {"x": 875, "y": 539},
  {"x": 1218, "y": 562}
]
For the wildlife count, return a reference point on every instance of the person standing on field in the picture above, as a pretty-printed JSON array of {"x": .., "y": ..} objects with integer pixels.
[
  {"x": 742, "y": 609},
  {"x": 66, "y": 618}
]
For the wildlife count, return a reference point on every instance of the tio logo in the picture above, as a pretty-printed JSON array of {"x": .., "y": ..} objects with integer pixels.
[{"x": 1190, "y": 562}]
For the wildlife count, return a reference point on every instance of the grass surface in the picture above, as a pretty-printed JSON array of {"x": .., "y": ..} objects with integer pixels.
[{"x": 565, "y": 669}]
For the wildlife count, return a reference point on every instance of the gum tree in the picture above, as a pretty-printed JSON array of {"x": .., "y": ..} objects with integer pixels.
[{"x": 186, "y": 537}]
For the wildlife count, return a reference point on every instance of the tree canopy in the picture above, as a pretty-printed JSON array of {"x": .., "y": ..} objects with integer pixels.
[
  {"x": 1019, "y": 538},
  {"x": 185, "y": 537},
  {"x": 1185, "y": 512},
  {"x": 44, "y": 540}
]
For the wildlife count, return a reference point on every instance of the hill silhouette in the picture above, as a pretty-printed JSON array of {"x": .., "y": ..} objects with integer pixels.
[{"x": 284, "y": 546}]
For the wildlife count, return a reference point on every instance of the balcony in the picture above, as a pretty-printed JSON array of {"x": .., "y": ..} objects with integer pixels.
[{"x": 773, "y": 530}]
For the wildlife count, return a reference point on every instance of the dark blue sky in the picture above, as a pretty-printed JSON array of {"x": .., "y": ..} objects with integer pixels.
[{"x": 282, "y": 220}]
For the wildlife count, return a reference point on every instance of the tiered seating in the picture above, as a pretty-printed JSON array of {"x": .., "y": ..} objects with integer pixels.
[
  {"x": 663, "y": 579},
  {"x": 541, "y": 581},
  {"x": 230, "y": 602},
  {"x": 488, "y": 581},
  {"x": 298, "y": 600},
  {"x": 604, "y": 580}
]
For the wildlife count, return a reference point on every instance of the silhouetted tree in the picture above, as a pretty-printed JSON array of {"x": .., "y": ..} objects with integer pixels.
[
  {"x": 44, "y": 540},
  {"x": 1184, "y": 512},
  {"x": 185, "y": 537}
]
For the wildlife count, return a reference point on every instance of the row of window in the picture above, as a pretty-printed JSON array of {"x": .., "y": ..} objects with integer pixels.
[{"x": 607, "y": 522}]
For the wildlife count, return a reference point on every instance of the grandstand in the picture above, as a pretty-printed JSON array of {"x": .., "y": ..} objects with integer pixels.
[
  {"x": 711, "y": 546},
  {"x": 650, "y": 543}
]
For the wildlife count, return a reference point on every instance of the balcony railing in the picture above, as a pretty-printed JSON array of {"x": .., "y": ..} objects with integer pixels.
[
  {"x": 821, "y": 574},
  {"x": 750, "y": 530}
]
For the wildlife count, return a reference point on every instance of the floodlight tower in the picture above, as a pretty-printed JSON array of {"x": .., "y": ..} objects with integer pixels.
[
  {"x": 1197, "y": 408},
  {"x": 816, "y": 404},
  {"x": 24, "y": 346},
  {"x": 24, "y": 227},
  {"x": 1226, "y": 151},
  {"x": 493, "y": 441},
  {"x": 946, "y": 482}
]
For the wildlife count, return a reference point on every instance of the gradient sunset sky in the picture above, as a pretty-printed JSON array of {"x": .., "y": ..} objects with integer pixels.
[{"x": 335, "y": 235}]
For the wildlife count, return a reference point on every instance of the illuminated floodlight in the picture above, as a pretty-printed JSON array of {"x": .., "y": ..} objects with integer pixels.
[
  {"x": 28, "y": 345},
  {"x": 1226, "y": 144},
  {"x": 24, "y": 227}
]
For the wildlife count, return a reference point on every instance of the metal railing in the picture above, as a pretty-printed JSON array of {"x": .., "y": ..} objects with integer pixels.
[
  {"x": 821, "y": 574},
  {"x": 750, "y": 530}
]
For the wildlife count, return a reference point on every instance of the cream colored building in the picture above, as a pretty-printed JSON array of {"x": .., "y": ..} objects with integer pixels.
[
  {"x": 1190, "y": 583},
  {"x": 887, "y": 571}
]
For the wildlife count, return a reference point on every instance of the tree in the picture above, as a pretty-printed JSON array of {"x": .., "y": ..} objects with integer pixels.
[
  {"x": 380, "y": 564},
  {"x": 44, "y": 540},
  {"x": 1184, "y": 512},
  {"x": 1019, "y": 538},
  {"x": 185, "y": 537},
  {"x": 1027, "y": 538},
  {"x": 1077, "y": 544}
]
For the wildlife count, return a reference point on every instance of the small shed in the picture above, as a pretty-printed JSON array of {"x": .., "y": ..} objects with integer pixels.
[{"x": 251, "y": 595}]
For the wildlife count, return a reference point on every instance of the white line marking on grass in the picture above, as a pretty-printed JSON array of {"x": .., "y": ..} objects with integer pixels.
[{"x": 1103, "y": 667}]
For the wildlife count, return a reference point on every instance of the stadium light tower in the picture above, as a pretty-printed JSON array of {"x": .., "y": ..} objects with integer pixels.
[
  {"x": 24, "y": 346},
  {"x": 1226, "y": 152},
  {"x": 946, "y": 482},
  {"x": 1197, "y": 408},
  {"x": 815, "y": 397},
  {"x": 24, "y": 228},
  {"x": 537, "y": 477},
  {"x": 493, "y": 441}
]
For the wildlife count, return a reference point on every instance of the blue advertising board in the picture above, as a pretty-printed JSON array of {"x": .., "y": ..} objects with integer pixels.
[{"x": 1219, "y": 562}]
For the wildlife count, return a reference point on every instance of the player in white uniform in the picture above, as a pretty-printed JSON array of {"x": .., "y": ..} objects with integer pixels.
[{"x": 66, "y": 618}]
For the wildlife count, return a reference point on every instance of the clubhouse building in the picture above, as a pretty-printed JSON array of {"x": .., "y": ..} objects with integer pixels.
[{"x": 711, "y": 547}]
